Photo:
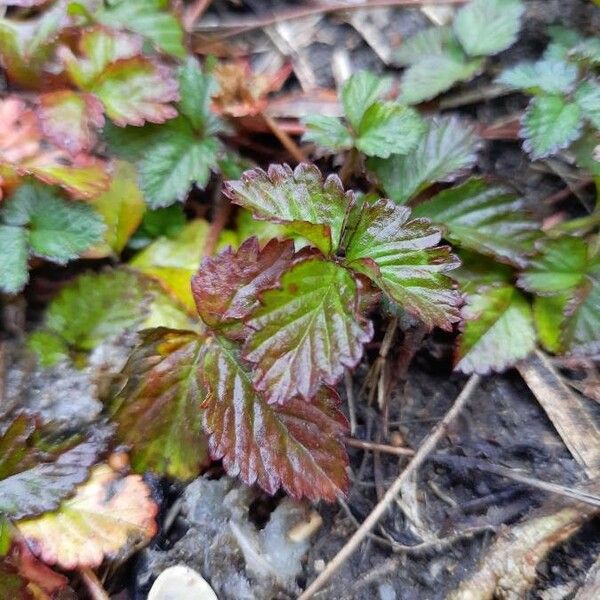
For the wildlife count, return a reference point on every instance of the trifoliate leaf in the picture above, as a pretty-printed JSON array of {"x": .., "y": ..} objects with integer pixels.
[
  {"x": 549, "y": 125},
  {"x": 58, "y": 230},
  {"x": 149, "y": 18},
  {"x": 448, "y": 148},
  {"x": 306, "y": 332},
  {"x": 360, "y": 91},
  {"x": 196, "y": 90},
  {"x": 97, "y": 306},
  {"x": 549, "y": 75},
  {"x": 174, "y": 261},
  {"x": 136, "y": 90},
  {"x": 587, "y": 97},
  {"x": 33, "y": 481},
  {"x": 158, "y": 411},
  {"x": 560, "y": 267},
  {"x": 327, "y": 132},
  {"x": 497, "y": 332},
  {"x": 174, "y": 163},
  {"x": 489, "y": 219},
  {"x": 435, "y": 74},
  {"x": 433, "y": 41},
  {"x": 312, "y": 208},
  {"x": 122, "y": 207},
  {"x": 581, "y": 333},
  {"x": 226, "y": 287},
  {"x": 486, "y": 27},
  {"x": 13, "y": 250},
  {"x": 296, "y": 446},
  {"x": 549, "y": 318},
  {"x": 70, "y": 119},
  {"x": 401, "y": 257},
  {"x": 108, "y": 515},
  {"x": 389, "y": 128}
]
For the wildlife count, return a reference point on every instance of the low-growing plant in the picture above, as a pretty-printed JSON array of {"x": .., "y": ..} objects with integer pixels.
[{"x": 280, "y": 326}]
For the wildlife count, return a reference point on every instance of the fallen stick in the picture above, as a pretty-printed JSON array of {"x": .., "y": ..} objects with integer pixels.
[{"x": 416, "y": 461}]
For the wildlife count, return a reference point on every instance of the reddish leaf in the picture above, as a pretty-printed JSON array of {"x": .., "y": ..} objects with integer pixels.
[
  {"x": 313, "y": 208},
  {"x": 403, "y": 259},
  {"x": 136, "y": 90},
  {"x": 226, "y": 287},
  {"x": 70, "y": 119},
  {"x": 109, "y": 514},
  {"x": 24, "y": 577},
  {"x": 306, "y": 332},
  {"x": 296, "y": 446},
  {"x": 158, "y": 410}
]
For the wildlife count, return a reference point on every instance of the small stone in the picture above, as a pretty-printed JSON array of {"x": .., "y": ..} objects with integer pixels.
[
  {"x": 181, "y": 583},
  {"x": 319, "y": 565}
]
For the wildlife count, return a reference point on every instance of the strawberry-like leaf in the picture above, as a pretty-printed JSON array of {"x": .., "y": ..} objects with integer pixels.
[
  {"x": 313, "y": 208},
  {"x": 158, "y": 411},
  {"x": 307, "y": 331},
  {"x": 401, "y": 256},
  {"x": 33, "y": 480},
  {"x": 296, "y": 446},
  {"x": 108, "y": 515},
  {"x": 70, "y": 120},
  {"x": 226, "y": 286}
]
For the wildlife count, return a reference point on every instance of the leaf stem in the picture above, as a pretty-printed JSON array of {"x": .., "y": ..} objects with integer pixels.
[{"x": 286, "y": 141}]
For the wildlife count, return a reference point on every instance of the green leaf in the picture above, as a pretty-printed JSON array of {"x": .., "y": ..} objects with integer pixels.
[
  {"x": 97, "y": 306},
  {"x": 548, "y": 315},
  {"x": 586, "y": 155},
  {"x": 168, "y": 221},
  {"x": 174, "y": 261},
  {"x": 226, "y": 287},
  {"x": 562, "y": 40},
  {"x": 549, "y": 125},
  {"x": 486, "y": 27},
  {"x": 587, "y": 97},
  {"x": 433, "y": 41},
  {"x": 196, "y": 90},
  {"x": 401, "y": 257},
  {"x": 313, "y": 208},
  {"x": 560, "y": 267},
  {"x": 389, "y": 128},
  {"x": 360, "y": 91},
  {"x": 296, "y": 446},
  {"x": 49, "y": 347},
  {"x": 122, "y": 206},
  {"x": 174, "y": 163},
  {"x": 489, "y": 219},
  {"x": 132, "y": 143},
  {"x": 33, "y": 481},
  {"x": 448, "y": 148},
  {"x": 306, "y": 332},
  {"x": 148, "y": 18},
  {"x": 549, "y": 75},
  {"x": 58, "y": 230},
  {"x": 136, "y": 90},
  {"x": 158, "y": 410},
  {"x": 327, "y": 132},
  {"x": 13, "y": 249},
  {"x": 433, "y": 75},
  {"x": 497, "y": 332},
  {"x": 581, "y": 333}
]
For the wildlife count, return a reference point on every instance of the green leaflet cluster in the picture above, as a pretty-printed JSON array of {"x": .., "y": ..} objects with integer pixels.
[
  {"x": 439, "y": 57},
  {"x": 565, "y": 89},
  {"x": 374, "y": 126},
  {"x": 280, "y": 327}
]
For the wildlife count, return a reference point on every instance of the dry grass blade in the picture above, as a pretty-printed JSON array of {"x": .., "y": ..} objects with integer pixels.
[
  {"x": 417, "y": 460},
  {"x": 566, "y": 411}
]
